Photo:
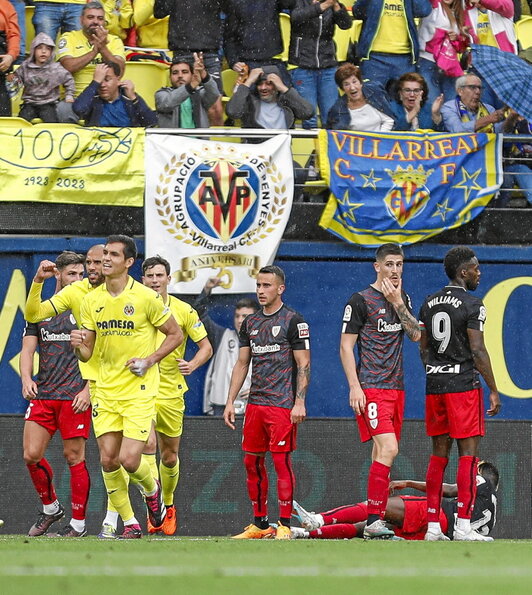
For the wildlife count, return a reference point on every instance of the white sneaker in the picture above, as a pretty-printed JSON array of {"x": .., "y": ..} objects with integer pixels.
[
  {"x": 298, "y": 533},
  {"x": 470, "y": 536},
  {"x": 433, "y": 536},
  {"x": 378, "y": 530},
  {"x": 310, "y": 520}
]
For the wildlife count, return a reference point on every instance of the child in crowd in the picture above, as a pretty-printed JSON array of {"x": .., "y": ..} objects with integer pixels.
[{"x": 41, "y": 77}]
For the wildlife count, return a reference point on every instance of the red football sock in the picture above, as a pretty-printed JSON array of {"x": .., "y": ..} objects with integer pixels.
[
  {"x": 346, "y": 514},
  {"x": 285, "y": 483},
  {"x": 340, "y": 531},
  {"x": 434, "y": 480},
  {"x": 257, "y": 482},
  {"x": 466, "y": 480},
  {"x": 378, "y": 484},
  {"x": 80, "y": 483},
  {"x": 42, "y": 477}
]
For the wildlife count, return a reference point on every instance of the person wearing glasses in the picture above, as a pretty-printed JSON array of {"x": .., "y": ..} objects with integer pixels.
[
  {"x": 466, "y": 113},
  {"x": 411, "y": 108}
]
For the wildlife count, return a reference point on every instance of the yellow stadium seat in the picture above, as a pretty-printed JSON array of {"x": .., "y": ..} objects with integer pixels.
[
  {"x": 302, "y": 149},
  {"x": 355, "y": 30},
  {"x": 523, "y": 29},
  {"x": 30, "y": 31},
  {"x": 14, "y": 122},
  {"x": 229, "y": 77},
  {"x": 284, "y": 23},
  {"x": 148, "y": 77},
  {"x": 342, "y": 38}
]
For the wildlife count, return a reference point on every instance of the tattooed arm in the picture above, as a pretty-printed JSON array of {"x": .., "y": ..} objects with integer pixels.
[
  {"x": 302, "y": 357},
  {"x": 408, "y": 322}
]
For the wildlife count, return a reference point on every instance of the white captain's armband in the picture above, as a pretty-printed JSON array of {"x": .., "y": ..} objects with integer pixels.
[
  {"x": 303, "y": 330},
  {"x": 347, "y": 313}
]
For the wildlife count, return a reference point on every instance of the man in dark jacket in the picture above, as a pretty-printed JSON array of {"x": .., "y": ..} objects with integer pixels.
[
  {"x": 196, "y": 26},
  {"x": 313, "y": 51},
  {"x": 388, "y": 44},
  {"x": 110, "y": 101},
  {"x": 252, "y": 34}
]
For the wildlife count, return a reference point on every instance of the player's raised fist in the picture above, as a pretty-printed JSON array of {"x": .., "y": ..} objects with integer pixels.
[
  {"x": 46, "y": 270},
  {"x": 77, "y": 336}
]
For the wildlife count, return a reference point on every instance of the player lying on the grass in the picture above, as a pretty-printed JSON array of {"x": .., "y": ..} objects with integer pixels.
[{"x": 405, "y": 515}]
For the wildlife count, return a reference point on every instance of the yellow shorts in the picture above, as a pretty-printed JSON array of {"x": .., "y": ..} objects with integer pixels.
[
  {"x": 133, "y": 417},
  {"x": 169, "y": 416}
]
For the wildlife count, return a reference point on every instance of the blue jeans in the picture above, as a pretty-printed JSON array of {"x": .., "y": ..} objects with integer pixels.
[
  {"x": 437, "y": 81},
  {"x": 381, "y": 68},
  {"x": 518, "y": 174},
  {"x": 20, "y": 7},
  {"x": 50, "y": 17},
  {"x": 318, "y": 87}
]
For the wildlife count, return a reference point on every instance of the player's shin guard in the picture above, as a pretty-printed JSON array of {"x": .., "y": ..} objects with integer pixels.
[
  {"x": 285, "y": 484},
  {"x": 257, "y": 484},
  {"x": 42, "y": 477},
  {"x": 151, "y": 459},
  {"x": 378, "y": 484},
  {"x": 346, "y": 514},
  {"x": 466, "y": 481},
  {"x": 434, "y": 482},
  {"x": 340, "y": 531},
  {"x": 169, "y": 480},
  {"x": 117, "y": 491},
  {"x": 80, "y": 484},
  {"x": 144, "y": 478}
]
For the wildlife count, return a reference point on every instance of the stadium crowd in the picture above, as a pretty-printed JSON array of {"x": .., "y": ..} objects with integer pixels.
[{"x": 409, "y": 66}]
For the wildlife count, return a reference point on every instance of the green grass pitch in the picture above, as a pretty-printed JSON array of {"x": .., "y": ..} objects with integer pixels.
[{"x": 44, "y": 566}]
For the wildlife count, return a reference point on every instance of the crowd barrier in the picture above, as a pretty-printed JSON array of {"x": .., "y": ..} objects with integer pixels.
[{"x": 330, "y": 467}]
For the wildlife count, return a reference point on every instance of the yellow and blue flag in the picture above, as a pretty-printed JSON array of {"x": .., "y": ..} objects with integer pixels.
[{"x": 405, "y": 187}]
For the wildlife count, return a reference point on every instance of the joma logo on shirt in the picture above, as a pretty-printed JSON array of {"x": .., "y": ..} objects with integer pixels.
[{"x": 107, "y": 324}]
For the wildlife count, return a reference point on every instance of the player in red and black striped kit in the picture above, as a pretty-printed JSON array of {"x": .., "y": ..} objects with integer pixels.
[
  {"x": 376, "y": 319},
  {"x": 276, "y": 339},
  {"x": 453, "y": 351},
  {"x": 59, "y": 400}
]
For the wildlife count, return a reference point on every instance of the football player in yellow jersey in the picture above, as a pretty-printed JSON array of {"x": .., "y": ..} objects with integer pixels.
[
  {"x": 170, "y": 402},
  {"x": 121, "y": 319}
]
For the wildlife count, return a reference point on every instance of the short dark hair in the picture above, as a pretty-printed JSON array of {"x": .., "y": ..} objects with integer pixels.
[
  {"x": 386, "y": 249},
  {"x": 114, "y": 66},
  {"x": 345, "y": 71},
  {"x": 130, "y": 248},
  {"x": 153, "y": 261},
  {"x": 179, "y": 60},
  {"x": 67, "y": 257},
  {"x": 412, "y": 77},
  {"x": 489, "y": 472},
  {"x": 247, "y": 303},
  {"x": 273, "y": 270},
  {"x": 92, "y": 5},
  {"x": 455, "y": 260}
]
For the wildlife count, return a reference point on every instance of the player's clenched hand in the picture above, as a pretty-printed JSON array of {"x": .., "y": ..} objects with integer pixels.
[
  {"x": 29, "y": 389},
  {"x": 495, "y": 404},
  {"x": 45, "y": 271},
  {"x": 81, "y": 401},
  {"x": 392, "y": 293},
  {"x": 77, "y": 337},
  {"x": 229, "y": 415},
  {"x": 138, "y": 366},
  {"x": 357, "y": 399},
  {"x": 397, "y": 485},
  {"x": 184, "y": 367},
  {"x": 298, "y": 413}
]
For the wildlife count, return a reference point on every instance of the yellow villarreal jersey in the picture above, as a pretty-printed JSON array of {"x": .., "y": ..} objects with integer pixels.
[
  {"x": 125, "y": 327},
  {"x": 75, "y": 44},
  {"x": 172, "y": 382},
  {"x": 392, "y": 35},
  {"x": 69, "y": 298}
]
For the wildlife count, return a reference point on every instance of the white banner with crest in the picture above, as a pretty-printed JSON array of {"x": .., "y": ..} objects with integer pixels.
[{"x": 215, "y": 208}]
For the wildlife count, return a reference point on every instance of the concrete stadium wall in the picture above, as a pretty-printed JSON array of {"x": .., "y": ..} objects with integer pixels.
[{"x": 330, "y": 467}]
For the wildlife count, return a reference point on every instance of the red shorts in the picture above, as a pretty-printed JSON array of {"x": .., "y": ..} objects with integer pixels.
[
  {"x": 268, "y": 429},
  {"x": 461, "y": 415},
  {"x": 383, "y": 414},
  {"x": 415, "y": 519},
  {"x": 58, "y": 415}
]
